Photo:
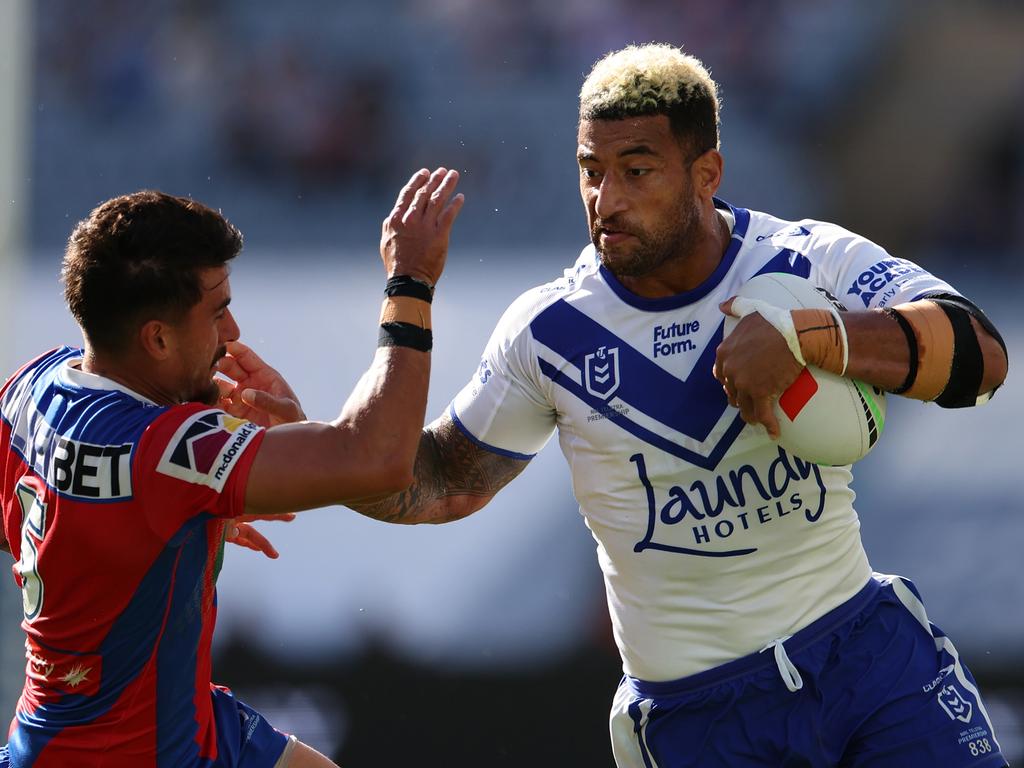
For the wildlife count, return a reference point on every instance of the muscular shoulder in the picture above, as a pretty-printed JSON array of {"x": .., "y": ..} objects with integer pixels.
[
  {"x": 858, "y": 271},
  {"x": 197, "y": 444},
  {"x": 808, "y": 237},
  {"x": 533, "y": 302}
]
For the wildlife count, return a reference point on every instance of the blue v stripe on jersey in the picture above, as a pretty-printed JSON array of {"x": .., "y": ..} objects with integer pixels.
[{"x": 643, "y": 384}]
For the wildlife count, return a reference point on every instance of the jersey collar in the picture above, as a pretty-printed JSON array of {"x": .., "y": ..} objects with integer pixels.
[
  {"x": 71, "y": 374},
  {"x": 739, "y": 231}
]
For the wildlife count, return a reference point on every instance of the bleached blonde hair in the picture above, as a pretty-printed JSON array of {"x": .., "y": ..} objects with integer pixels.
[{"x": 654, "y": 79}]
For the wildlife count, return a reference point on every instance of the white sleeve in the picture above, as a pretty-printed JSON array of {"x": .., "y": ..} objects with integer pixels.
[
  {"x": 862, "y": 275},
  {"x": 504, "y": 408}
]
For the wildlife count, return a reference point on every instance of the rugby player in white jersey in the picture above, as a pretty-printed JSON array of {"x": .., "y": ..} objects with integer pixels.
[{"x": 751, "y": 627}]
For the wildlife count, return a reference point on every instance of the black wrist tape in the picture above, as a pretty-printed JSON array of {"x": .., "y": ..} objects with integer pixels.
[
  {"x": 405, "y": 335},
  {"x": 404, "y": 285},
  {"x": 911, "y": 344}
]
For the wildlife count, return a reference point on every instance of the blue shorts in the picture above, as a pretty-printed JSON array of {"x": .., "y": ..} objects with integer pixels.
[
  {"x": 871, "y": 684},
  {"x": 244, "y": 738}
]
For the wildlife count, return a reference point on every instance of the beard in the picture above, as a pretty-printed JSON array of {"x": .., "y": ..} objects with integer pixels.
[
  {"x": 675, "y": 239},
  {"x": 207, "y": 392}
]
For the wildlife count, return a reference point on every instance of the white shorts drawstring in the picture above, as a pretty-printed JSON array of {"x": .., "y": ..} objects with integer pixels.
[{"x": 790, "y": 674}]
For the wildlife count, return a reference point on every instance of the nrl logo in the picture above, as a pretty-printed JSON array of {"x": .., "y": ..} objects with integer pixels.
[
  {"x": 601, "y": 372},
  {"x": 956, "y": 707}
]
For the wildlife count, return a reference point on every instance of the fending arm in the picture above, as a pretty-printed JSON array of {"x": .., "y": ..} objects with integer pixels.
[
  {"x": 452, "y": 478},
  {"x": 370, "y": 447}
]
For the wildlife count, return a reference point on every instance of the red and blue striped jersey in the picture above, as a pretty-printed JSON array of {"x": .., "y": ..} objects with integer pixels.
[{"x": 115, "y": 510}]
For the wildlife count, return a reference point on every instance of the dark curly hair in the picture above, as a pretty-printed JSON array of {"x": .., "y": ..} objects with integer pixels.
[{"x": 137, "y": 257}]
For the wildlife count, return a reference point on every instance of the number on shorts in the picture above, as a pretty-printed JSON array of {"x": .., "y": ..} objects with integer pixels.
[
  {"x": 979, "y": 747},
  {"x": 33, "y": 527}
]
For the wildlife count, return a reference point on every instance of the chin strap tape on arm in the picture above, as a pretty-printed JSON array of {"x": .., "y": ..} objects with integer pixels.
[
  {"x": 946, "y": 362},
  {"x": 814, "y": 336}
]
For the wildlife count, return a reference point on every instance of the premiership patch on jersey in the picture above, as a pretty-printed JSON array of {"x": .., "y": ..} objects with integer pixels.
[
  {"x": 205, "y": 448},
  {"x": 602, "y": 372}
]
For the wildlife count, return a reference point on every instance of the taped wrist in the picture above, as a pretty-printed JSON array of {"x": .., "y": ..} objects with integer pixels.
[
  {"x": 405, "y": 285},
  {"x": 908, "y": 332},
  {"x": 405, "y": 335},
  {"x": 405, "y": 314},
  {"x": 822, "y": 337},
  {"x": 780, "y": 319},
  {"x": 945, "y": 352}
]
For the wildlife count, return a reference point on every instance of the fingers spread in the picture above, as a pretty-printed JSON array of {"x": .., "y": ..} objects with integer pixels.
[
  {"x": 446, "y": 206},
  {"x": 447, "y": 217},
  {"x": 225, "y": 387},
  {"x": 281, "y": 517},
  {"x": 244, "y": 535},
  {"x": 405, "y": 196},
  {"x": 423, "y": 195},
  {"x": 281, "y": 408},
  {"x": 231, "y": 368},
  {"x": 245, "y": 357}
]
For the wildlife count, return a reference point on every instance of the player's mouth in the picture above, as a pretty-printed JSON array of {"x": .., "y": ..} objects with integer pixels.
[
  {"x": 608, "y": 233},
  {"x": 222, "y": 352},
  {"x": 609, "y": 236}
]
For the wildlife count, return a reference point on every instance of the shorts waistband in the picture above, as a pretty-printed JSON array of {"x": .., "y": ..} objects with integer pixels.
[{"x": 755, "y": 661}]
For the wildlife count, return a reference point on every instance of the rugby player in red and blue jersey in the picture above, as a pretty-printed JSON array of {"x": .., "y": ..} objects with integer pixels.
[{"x": 125, "y": 466}]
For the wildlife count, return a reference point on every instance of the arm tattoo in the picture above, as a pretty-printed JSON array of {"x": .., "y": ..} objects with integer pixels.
[{"x": 452, "y": 478}]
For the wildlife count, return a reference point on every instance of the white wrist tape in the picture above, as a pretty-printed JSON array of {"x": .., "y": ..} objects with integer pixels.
[
  {"x": 846, "y": 341},
  {"x": 780, "y": 319}
]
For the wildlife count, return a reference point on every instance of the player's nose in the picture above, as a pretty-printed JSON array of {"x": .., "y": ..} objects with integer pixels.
[
  {"x": 610, "y": 199},
  {"x": 229, "y": 330}
]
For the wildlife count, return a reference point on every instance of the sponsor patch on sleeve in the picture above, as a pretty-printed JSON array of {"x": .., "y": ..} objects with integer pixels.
[
  {"x": 206, "y": 448},
  {"x": 882, "y": 277}
]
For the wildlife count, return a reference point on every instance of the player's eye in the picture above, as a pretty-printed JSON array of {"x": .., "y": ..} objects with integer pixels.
[
  {"x": 589, "y": 173},
  {"x": 638, "y": 171}
]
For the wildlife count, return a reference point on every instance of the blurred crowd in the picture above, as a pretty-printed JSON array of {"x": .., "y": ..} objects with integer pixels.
[
  {"x": 300, "y": 119},
  {"x": 902, "y": 120}
]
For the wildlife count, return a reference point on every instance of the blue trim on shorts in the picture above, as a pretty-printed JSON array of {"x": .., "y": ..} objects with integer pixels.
[{"x": 756, "y": 661}]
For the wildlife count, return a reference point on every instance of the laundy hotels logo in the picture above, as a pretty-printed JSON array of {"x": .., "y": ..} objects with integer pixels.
[
  {"x": 601, "y": 372},
  {"x": 205, "y": 447},
  {"x": 710, "y": 517}
]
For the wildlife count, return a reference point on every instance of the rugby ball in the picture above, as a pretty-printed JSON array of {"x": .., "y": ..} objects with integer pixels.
[{"x": 823, "y": 417}]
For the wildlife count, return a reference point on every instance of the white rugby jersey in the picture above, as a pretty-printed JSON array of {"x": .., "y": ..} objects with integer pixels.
[{"x": 712, "y": 539}]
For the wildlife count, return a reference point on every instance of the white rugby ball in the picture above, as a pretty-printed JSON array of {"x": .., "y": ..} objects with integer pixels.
[{"x": 823, "y": 418}]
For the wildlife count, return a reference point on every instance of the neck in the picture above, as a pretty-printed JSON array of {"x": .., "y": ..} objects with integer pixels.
[
  {"x": 128, "y": 374},
  {"x": 685, "y": 271}
]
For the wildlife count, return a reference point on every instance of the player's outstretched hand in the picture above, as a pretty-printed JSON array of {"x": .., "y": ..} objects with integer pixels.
[
  {"x": 755, "y": 366},
  {"x": 257, "y": 392},
  {"x": 242, "y": 533},
  {"x": 414, "y": 236}
]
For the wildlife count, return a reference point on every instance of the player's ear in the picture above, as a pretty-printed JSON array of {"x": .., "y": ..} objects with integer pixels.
[
  {"x": 706, "y": 174},
  {"x": 156, "y": 338}
]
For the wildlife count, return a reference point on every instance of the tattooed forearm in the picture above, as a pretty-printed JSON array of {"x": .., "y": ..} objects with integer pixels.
[{"x": 453, "y": 478}]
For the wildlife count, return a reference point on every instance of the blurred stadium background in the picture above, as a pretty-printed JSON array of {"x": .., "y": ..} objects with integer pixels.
[{"x": 486, "y": 642}]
